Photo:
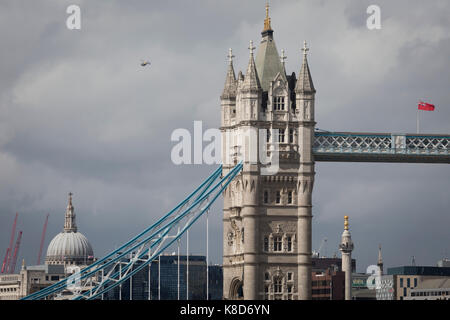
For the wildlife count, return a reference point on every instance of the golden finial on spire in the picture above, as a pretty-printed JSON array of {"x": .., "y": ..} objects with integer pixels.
[
  {"x": 345, "y": 222},
  {"x": 267, "y": 20}
]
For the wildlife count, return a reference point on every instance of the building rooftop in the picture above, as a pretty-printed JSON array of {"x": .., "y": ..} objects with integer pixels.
[
  {"x": 419, "y": 271},
  {"x": 48, "y": 269},
  {"x": 323, "y": 263}
]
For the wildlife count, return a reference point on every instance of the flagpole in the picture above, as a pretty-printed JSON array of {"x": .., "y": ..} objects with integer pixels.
[
  {"x": 423, "y": 106},
  {"x": 417, "y": 120}
]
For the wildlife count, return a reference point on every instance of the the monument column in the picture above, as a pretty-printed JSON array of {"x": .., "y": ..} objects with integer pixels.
[{"x": 346, "y": 248}]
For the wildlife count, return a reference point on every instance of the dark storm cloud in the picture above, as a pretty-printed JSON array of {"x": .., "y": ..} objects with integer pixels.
[{"x": 78, "y": 113}]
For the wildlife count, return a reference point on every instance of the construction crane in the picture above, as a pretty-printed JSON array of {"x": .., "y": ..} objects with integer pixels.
[
  {"x": 7, "y": 260},
  {"x": 324, "y": 243},
  {"x": 16, "y": 251},
  {"x": 4, "y": 260},
  {"x": 317, "y": 253},
  {"x": 42, "y": 240}
]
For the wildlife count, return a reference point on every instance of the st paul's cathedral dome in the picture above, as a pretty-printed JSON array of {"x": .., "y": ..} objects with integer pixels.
[{"x": 70, "y": 247}]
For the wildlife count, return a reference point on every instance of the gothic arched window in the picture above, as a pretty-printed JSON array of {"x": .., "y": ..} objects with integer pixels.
[
  {"x": 289, "y": 243},
  {"x": 281, "y": 135},
  {"x": 277, "y": 244},
  {"x": 278, "y": 103},
  {"x": 291, "y": 135},
  {"x": 278, "y": 285}
]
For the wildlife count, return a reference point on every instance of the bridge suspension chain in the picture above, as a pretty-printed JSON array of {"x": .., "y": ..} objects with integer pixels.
[{"x": 124, "y": 262}]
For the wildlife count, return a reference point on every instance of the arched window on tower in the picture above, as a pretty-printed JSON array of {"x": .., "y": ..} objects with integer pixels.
[
  {"x": 291, "y": 135},
  {"x": 289, "y": 243},
  {"x": 281, "y": 133},
  {"x": 277, "y": 285},
  {"x": 278, "y": 103},
  {"x": 277, "y": 244}
]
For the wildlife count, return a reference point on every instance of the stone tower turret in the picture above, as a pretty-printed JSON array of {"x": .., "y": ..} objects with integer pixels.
[
  {"x": 228, "y": 97},
  {"x": 305, "y": 97}
]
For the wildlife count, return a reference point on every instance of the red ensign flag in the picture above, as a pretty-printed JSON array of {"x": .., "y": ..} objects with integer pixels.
[{"x": 426, "y": 106}]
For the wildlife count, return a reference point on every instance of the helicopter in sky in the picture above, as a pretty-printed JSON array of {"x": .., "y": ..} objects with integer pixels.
[{"x": 144, "y": 63}]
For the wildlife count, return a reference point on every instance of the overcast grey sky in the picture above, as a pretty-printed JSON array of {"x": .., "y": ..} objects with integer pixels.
[{"x": 78, "y": 113}]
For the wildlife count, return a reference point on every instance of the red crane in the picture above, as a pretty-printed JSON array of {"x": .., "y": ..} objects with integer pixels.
[
  {"x": 16, "y": 250},
  {"x": 7, "y": 259},
  {"x": 4, "y": 260},
  {"x": 42, "y": 240}
]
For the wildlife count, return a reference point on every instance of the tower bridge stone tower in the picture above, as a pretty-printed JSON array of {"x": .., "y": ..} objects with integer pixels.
[{"x": 267, "y": 212}]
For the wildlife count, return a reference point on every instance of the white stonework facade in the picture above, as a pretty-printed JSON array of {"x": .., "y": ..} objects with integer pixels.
[{"x": 267, "y": 216}]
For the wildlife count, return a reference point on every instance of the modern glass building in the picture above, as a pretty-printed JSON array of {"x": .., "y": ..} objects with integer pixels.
[{"x": 168, "y": 281}]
